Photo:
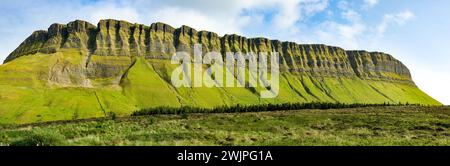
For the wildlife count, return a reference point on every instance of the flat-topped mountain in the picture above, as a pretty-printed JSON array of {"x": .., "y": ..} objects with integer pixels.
[
  {"x": 161, "y": 41},
  {"x": 80, "y": 70}
]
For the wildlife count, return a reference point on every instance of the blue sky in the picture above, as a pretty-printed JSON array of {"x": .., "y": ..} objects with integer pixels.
[{"x": 417, "y": 32}]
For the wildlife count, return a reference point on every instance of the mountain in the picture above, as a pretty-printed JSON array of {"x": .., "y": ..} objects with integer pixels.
[{"x": 80, "y": 70}]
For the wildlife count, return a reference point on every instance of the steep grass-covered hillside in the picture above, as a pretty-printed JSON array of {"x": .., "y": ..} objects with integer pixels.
[{"x": 79, "y": 71}]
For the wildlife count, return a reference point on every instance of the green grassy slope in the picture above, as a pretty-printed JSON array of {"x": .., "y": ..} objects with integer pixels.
[
  {"x": 143, "y": 85},
  {"x": 41, "y": 87},
  {"x": 376, "y": 126}
]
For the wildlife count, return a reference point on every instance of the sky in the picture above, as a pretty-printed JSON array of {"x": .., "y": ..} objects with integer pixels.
[{"x": 417, "y": 32}]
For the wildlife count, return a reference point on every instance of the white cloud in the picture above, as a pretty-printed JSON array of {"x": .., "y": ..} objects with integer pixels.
[
  {"x": 343, "y": 5},
  {"x": 396, "y": 19},
  {"x": 314, "y": 6},
  {"x": 177, "y": 17},
  {"x": 351, "y": 15},
  {"x": 355, "y": 33},
  {"x": 112, "y": 11},
  {"x": 370, "y": 3},
  {"x": 287, "y": 15},
  {"x": 290, "y": 15},
  {"x": 348, "y": 36}
]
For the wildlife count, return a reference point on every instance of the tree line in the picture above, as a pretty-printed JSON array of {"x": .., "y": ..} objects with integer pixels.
[{"x": 258, "y": 108}]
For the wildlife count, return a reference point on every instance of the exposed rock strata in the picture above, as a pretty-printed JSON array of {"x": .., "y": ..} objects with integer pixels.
[{"x": 160, "y": 41}]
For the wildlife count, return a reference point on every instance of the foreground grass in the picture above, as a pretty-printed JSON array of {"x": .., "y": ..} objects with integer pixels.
[{"x": 356, "y": 126}]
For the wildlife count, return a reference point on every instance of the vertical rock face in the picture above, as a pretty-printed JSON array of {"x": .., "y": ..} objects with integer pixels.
[
  {"x": 112, "y": 38},
  {"x": 161, "y": 41},
  {"x": 120, "y": 38},
  {"x": 79, "y": 35},
  {"x": 375, "y": 64},
  {"x": 75, "y": 34},
  {"x": 33, "y": 44}
]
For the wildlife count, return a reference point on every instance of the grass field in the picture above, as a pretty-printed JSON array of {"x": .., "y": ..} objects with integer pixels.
[{"x": 380, "y": 126}]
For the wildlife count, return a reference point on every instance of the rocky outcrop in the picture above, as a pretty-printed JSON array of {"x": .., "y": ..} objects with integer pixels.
[
  {"x": 76, "y": 34},
  {"x": 376, "y": 64},
  {"x": 160, "y": 41}
]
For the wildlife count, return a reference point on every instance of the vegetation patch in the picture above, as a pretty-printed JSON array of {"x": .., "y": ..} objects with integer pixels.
[
  {"x": 258, "y": 108},
  {"x": 377, "y": 126}
]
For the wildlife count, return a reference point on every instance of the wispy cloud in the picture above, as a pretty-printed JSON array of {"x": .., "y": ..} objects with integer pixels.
[
  {"x": 396, "y": 19},
  {"x": 370, "y": 3}
]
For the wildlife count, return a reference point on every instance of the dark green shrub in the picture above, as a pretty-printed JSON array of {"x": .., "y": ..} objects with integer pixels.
[
  {"x": 40, "y": 138},
  {"x": 184, "y": 115},
  {"x": 257, "y": 108},
  {"x": 112, "y": 115}
]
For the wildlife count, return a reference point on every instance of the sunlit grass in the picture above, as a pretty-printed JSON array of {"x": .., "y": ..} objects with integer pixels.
[{"x": 378, "y": 126}]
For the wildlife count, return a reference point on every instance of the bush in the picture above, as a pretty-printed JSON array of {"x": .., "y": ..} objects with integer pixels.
[
  {"x": 184, "y": 116},
  {"x": 112, "y": 115},
  {"x": 40, "y": 138}
]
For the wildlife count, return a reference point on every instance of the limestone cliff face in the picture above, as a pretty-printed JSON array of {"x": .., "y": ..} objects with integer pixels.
[
  {"x": 376, "y": 64},
  {"x": 77, "y": 34},
  {"x": 160, "y": 41}
]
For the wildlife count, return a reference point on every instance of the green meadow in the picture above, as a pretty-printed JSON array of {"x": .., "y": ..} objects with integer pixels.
[{"x": 378, "y": 126}]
